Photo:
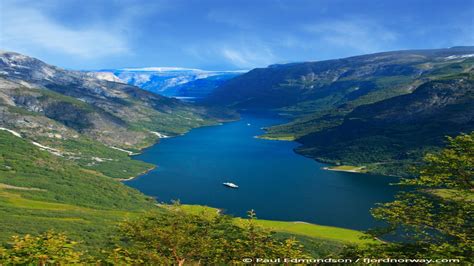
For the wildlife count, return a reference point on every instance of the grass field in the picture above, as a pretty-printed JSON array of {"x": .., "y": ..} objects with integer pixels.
[
  {"x": 316, "y": 231},
  {"x": 329, "y": 233}
]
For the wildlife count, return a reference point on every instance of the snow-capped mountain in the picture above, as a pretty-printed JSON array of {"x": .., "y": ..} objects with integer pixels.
[{"x": 171, "y": 81}]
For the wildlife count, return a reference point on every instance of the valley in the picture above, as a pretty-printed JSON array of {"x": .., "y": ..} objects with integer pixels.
[
  {"x": 65, "y": 143},
  {"x": 68, "y": 138},
  {"x": 236, "y": 132}
]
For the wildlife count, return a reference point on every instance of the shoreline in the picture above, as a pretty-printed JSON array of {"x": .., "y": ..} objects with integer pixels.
[
  {"x": 131, "y": 154},
  {"x": 357, "y": 170},
  {"x": 137, "y": 176}
]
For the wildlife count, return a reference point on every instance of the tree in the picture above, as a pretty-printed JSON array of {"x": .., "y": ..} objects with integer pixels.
[
  {"x": 435, "y": 218},
  {"x": 178, "y": 237},
  {"x": 47, "y": 248},
  {"x": 257, "y": 242}
]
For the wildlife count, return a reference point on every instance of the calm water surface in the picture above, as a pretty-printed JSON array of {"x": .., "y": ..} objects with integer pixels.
[{"x": 274, "y": 181}]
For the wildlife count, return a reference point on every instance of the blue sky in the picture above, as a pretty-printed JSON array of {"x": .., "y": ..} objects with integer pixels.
[{"x": 224, "y": 34}]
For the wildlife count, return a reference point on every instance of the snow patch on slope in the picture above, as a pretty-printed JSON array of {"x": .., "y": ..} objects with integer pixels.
[
  {"x": 159, "y": 135},
  {"x": 42, "y": 147},
  {"x": 459, "y": 56},
  {"x": 11, "y": 131},
  {"x": 48, "y": 149},
  {"x": 129, "y": 152}
]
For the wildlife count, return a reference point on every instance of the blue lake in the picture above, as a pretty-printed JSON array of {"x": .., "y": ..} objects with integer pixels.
[{"x": 274, "y": 181}]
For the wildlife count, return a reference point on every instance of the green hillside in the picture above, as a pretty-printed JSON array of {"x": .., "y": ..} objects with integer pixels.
[
  {"x": 390, "y": 135},
  {"x": 338, "y": 107},
  {"x": 40, "y": 191}
]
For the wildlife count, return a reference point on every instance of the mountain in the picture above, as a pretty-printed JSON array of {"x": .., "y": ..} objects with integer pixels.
[
  {"x": 381, "y": 111},
  {"x": 310, "y": 85},
  {"x": 393, "y": 133},
  {"x": 86, "y": 119},
  {"x": 170, "y": 81}
]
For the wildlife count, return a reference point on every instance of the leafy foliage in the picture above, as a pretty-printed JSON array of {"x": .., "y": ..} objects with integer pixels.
[
  {"x": 49, "y": 248},
  {"x": 179, "y": 237},
  {"x": 161, "y": 238},
  {"x": 451, "y": 168},
  {"x": 427, "y": 224}
]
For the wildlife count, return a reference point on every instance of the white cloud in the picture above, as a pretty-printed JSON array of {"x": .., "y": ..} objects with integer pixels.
[
  {"x": 243, "y": 53},
  {"x": 358, "y": 34},
  {"x": 247, "y": 56},
  {"x": 24, "y": 28},
  {"x": 238, "y": 58}
]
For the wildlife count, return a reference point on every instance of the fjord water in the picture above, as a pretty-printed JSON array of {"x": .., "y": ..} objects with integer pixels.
[{"x": 273, "y": 180}]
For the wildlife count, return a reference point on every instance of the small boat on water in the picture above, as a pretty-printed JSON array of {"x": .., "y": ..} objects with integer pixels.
[{"x": 230, "y": 185}]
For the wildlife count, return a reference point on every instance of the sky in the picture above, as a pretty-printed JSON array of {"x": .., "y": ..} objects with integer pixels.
[{"x": 226, "y": 34}]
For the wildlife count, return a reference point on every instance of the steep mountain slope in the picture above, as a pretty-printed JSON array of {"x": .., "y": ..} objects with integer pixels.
[
  {"x": 171, "y": 81},
  {"x": 304, "y": 87},
  {"x": 106, "y": 108},
  {"x": 94, "y": 122},
  {"x": 319, "y": 96},
  {"x": 40, "y": 191},
  {"x": 389, "y": 135}
]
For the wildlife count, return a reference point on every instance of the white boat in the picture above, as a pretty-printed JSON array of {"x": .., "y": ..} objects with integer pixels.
[
  {"x": 248, "y": 124},
  {"x": 231, "y": 185}
]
